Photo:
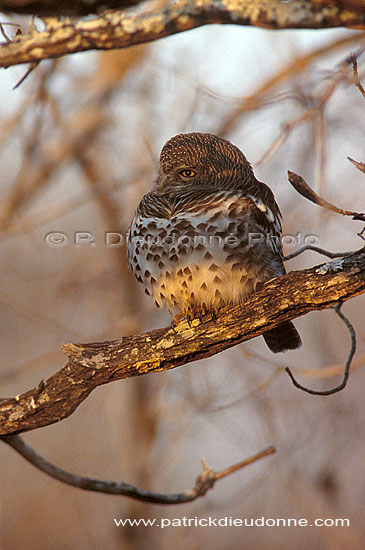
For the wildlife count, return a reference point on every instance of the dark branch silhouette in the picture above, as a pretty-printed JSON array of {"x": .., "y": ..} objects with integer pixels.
[
  {"x": 205, "y": 481},
  {"x": 346, "y": 373}
]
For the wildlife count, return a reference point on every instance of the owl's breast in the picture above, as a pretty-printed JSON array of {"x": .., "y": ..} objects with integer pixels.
[{"x": 202, "y": 255}]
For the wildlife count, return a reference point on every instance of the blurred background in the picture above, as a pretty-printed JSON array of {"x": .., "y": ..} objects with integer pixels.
[{"x": 79, "y": 146}]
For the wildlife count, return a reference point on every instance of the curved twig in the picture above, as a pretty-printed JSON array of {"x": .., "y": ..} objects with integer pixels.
[
  {"x": 205, "y": 481},
  {"x": 346, "y": 374}
]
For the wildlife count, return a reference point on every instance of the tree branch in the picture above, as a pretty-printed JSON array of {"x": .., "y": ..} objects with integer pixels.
[
  {"x": 205, "y": 481},
  {"x": 302, "y": 187},
  {"x": 73, "y": 8},
  {"x": 313, "y": 248},
  {"x": 94, "y": 364},
  {"x": 120, "y": 29},
  {"x": 346, "y": 373}
]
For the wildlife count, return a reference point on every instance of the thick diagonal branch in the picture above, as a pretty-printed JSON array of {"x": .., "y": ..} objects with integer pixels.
[
  {"x": 120, "y": 29},
  {"x": 91, "y": 365}
]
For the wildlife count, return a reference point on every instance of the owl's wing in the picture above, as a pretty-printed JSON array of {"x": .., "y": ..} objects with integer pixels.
[
  {"x": 268, "y": 212},
  {"x": 267, "y": 215}
]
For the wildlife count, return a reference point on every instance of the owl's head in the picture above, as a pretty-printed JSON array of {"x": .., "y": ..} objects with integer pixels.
[{"x": 203, "y": 160}]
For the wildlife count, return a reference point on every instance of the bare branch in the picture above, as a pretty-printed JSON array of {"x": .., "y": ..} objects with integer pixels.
[
  {"x": 356, "y": 75},
  {"x": 119, "y": 29},
  {"x": 359, "y": 165},
  {"x": 303, "y": 189},
  {"x": 316, "y": 249},
  {"x": 30, "y": 69},
  {"x": 264, "y": 93},
  {"x": 205, "y": 481},
  {"x": 346, "y": 373},
  {"x": 91, "y": 365}
]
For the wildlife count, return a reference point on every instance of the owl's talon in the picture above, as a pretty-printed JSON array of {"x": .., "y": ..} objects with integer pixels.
[
  {"x": 193, "y": 314},
  {"x": 176, "y": 320},
  {"x": 190, "y": 316},
  {"x": 199, "y": 312}
]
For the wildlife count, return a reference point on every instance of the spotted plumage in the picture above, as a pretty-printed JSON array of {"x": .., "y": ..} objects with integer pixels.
[{"x": 208, "y": 233}]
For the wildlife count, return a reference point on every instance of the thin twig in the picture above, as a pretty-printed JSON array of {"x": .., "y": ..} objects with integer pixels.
[
  {"x": 359, "y": 165},
  {"x": 205, "y": 481},
  {"x": 263, "y": 94},
  {"x": 315, "y": 108},
  {"x": 356, "y": 76},
  {"x": 316, "y": 249},
  {"x": 287, "y": 128},
  {"x": 30, "y": 69},
  {"x": 346, "y": 374},
  {"x": 329, "y": 372},
  {"x": 320, "y": 145},
  {"x": 2, "y": 30}
]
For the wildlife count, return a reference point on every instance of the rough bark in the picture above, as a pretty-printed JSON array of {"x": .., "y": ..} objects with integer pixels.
[
  {"x": 94, "y": 364},
  {"x": 120, "y": 29}
]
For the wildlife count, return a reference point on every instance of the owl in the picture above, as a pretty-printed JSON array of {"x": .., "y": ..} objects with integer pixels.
[{"x": 208, "y": 234}]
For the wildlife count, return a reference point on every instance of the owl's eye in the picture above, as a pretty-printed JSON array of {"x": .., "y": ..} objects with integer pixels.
[{"x": 187, "y": 173}]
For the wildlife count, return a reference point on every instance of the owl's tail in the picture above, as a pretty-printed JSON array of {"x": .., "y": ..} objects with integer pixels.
[{"x": 283, "y": 338}]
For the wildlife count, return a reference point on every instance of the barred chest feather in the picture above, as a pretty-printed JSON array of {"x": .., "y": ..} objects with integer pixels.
[{"x": 205, "y": 255}]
